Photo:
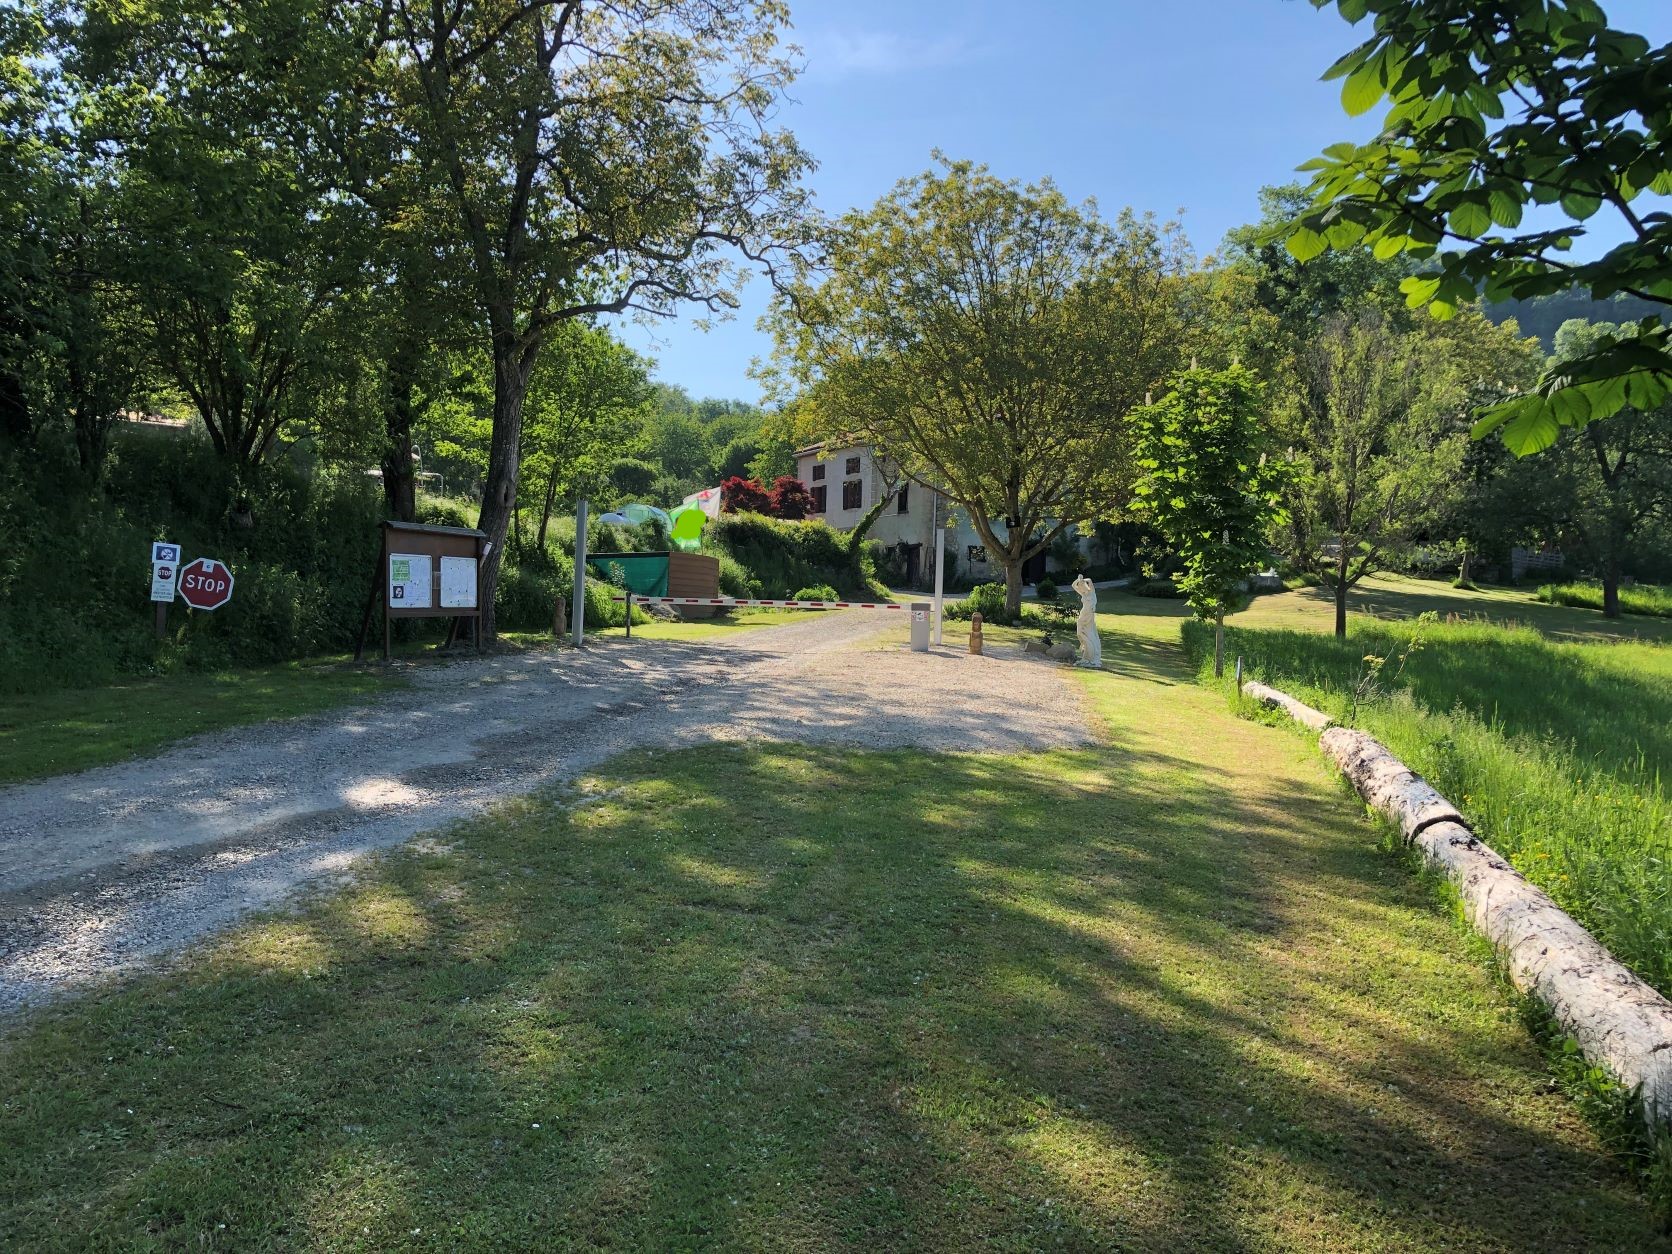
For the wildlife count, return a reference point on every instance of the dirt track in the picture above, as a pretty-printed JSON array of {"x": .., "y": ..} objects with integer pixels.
[{"x": 111, "y": 867}]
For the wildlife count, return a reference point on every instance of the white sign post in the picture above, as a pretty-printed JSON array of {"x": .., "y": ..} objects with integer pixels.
[
  {"x": 165, "y": 572},
  {"x": 163, "y": 577}
]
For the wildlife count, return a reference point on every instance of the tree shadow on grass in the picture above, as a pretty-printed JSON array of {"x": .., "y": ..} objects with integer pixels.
[{"x": 781, "y": 996}]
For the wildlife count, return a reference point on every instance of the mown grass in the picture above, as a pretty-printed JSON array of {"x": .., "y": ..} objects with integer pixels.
[
  {"x": 53, "y": 733},
  {"x": 720, "y": 627},
  {"x": 1157, "y": 994},
  {"x": 1557, "y": 753},
  {"x": 1643, "y": 598}
]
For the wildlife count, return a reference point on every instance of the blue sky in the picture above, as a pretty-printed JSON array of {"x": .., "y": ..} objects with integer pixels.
[{"x": 1165, "y": 105}]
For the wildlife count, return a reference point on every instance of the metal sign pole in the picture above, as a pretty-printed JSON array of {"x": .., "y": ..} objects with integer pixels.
[
  {"x": 580, "y": 572},
  {"x": 940, "y": 569}
]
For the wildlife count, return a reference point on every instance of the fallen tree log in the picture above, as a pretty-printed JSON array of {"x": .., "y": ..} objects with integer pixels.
[
  {"x": 1617, "y": 1020},
  {"x": 1317, "y": 720}
]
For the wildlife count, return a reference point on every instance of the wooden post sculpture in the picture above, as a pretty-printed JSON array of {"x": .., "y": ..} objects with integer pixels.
[
  {"x": 1091, "y": 644},
  {"x": 975, "y": 632}
]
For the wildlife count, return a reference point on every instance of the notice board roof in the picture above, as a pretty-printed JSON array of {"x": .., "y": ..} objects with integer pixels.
[{"x": 432, "y": 528}]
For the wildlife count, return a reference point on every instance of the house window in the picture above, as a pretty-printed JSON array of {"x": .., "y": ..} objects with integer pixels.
[
  {"x": 853, "y": 466},
  {"x": 818, "y": 471},
  {"x": 902, "y": 504},
  {"x": 853, "y": 493},
  {"x": 819, "y": 496}
]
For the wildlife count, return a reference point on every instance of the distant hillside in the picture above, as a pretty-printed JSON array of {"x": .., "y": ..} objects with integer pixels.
[{"x": 1541, "y": 315}]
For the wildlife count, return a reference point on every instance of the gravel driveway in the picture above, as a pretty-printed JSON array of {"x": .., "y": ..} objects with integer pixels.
[{"x": 108, "y": 868}]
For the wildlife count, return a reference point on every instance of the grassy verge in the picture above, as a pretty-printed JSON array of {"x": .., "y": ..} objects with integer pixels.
[
  {"x": 1640, "y": 598},
  {"x": 717, "y": 628},
  {"x": 1156, "y": 994},
  {"x": 56, "y": 732},
  {"x": 1555, "y": 752}
]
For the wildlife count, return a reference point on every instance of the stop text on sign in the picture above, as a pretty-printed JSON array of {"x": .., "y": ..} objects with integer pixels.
[{"x": 205, "y": 584}]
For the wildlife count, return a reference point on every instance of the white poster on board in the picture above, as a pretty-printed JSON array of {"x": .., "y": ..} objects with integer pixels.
[
  {"x": 458, "y": 583},
  {"x": 409, "y": 581}
]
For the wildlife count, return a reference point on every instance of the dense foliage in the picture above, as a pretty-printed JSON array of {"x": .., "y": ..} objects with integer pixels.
[
  {"x": 989, "y": 338},
  {"x": 1497, "y": 108},
  {"x": 1206, "y": 483}
]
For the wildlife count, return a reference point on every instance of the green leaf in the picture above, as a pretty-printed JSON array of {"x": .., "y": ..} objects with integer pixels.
[
  {"x": 1363, "y": 88},
  {"x": 1419, "y": 290},
  {"x": 1525, "y": 425},
  {"x": 1505, "y": 208},
  {"x": 1580, "y": 205},
  {"x": 1470, "y": 219},
  {"x": 1304, "y": 244}
]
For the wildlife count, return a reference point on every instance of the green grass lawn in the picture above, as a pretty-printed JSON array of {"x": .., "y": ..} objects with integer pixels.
[
  {"x": 719, "y": 627},
  {"x": 1638, "y": 599},
  {"x": 55, "y": 732},
  {"x": 1164, "y": 993}
]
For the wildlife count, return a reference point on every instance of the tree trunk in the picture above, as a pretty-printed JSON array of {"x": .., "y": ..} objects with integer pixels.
[
  {"x": 511, "y": 364},
  {"x": 16, "y": 423},
  {"x": 1341, "y": 597},
  {"x": 1619, "y": 1022},
  {"x": 400, "y": 484},
  {"x": 1611, "y": 585},
  {"x": 1219, "y": 645},
  {"x": 546, "y": 509},
  {"x": 1013, "y": 587}
]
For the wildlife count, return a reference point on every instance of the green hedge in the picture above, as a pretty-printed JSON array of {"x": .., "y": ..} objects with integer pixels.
[{"x": 778, "y": 556}]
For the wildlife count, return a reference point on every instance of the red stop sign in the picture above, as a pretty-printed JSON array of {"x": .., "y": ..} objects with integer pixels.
[{"x": 205, "y": 584}]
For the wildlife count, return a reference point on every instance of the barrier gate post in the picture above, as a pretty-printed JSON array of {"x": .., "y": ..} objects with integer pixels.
[{"x": 580, "y": 571}]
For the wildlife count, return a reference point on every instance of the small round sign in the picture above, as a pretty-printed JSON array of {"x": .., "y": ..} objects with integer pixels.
[{"x": 205, "y": 584}]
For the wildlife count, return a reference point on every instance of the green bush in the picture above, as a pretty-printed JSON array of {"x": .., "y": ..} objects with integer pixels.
[
  {"x": 1157, "y": 588},
  {"x": 442, "y": 513},
  {"x": 988, "y": 600},
  {"x": 816, "y": 592},
  {"x": 1045, "y": 589},
  {"x": 781, "y": 555}
]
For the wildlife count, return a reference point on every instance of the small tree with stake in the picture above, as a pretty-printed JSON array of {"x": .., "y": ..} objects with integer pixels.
[{"x": 1205, "y": 486}]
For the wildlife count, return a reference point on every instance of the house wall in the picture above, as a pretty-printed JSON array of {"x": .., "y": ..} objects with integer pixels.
[{"x": 892, "y": 527}]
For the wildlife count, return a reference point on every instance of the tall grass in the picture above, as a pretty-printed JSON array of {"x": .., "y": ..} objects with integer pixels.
[
  {"x": 1642, "y": 598},
  {"x": 1556, "y": 753}
]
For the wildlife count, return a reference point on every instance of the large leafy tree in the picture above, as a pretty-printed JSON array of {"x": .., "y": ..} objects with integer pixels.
[
  {"x": 1617, "y": 474},
  {"x": 1208, "y": 487},
  {"x": 586, "y": 404},
  {"x": 990, "y": 338},
  {"x": 71, "y": 339},
  {"x": 1510, "y": 125},
  {"x": 1377, "y": 456},
  {"x": 601, "y": 156},
  {"x": 205, "y": 112}
]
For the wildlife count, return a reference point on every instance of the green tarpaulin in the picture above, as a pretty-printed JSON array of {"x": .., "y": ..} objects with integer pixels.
[{"x": 642, "y": 574}]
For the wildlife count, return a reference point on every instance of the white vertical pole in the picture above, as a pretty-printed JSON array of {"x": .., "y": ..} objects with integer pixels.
[
  {"x": 578, "y": 610},
  {"x": 940, "y": 570}
]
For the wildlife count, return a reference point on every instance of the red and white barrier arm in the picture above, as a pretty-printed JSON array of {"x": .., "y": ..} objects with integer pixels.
[{"x": 730, "y": 602}]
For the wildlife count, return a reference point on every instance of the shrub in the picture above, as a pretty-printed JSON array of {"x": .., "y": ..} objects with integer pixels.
[
  {"x": 816, "y": 592},
  {"x": 988, "y": 600},
  {"x": 1045, "y": 589},
  {"x": 780, "y": 556},
  {"x": 790, "y": 498},
  {"x": 1157, "y": 588},
  {"x": 442, "y": 513},
  {"x": 744, "y": 496}
]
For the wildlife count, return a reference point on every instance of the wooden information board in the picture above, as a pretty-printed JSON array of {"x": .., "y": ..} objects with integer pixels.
[{"x": 426, "y": 571}]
